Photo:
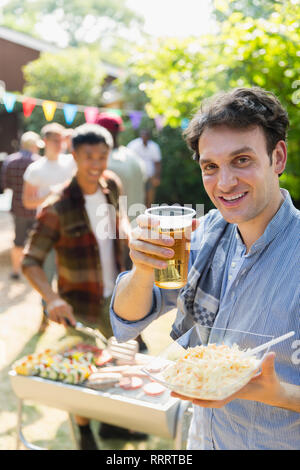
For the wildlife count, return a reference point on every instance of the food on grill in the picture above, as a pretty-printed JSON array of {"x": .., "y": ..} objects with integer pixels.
[
  {"x": 103, "y": 358},
  {"x": 26, "y": 365},
  {"x": 154, "y": 389},
  {"x": 134, "y": 371},
  {"x": 69, "y": 367},
  {"x": 88, "y": 365},
  {"x": 210, "y": 369},
  {"x": 130, "y": 383},
  {"x": 98, "y": 380}
]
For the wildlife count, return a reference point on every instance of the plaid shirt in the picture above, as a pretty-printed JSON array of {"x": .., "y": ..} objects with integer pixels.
[
  {"x": 12, "y": 172},
  {"x": 64, "y": 225}
]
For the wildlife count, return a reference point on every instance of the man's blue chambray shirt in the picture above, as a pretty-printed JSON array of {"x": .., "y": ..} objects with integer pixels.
[{"x": 260, "y": 294}]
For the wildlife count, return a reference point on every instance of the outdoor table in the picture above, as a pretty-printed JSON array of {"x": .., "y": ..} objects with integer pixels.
[{"x": 161, "y": 415}]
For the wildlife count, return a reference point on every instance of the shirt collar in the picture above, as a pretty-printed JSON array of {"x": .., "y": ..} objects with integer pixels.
[
  {"x": 25, "y": 153},
  {"x": 278, "y": 223},
  {"x": 76, "y": 192}
]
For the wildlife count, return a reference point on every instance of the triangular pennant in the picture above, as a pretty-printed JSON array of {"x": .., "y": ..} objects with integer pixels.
[
  {"x": 159, "y": 122},
  {"x": 28, "y": 106},
  {"x": 70, "y": 111},
  {"x": 184, "y": 123},
  {"x": 135, "y": 118},
  {"x": 49, "y": 108},
  {"x": 91, "y": 114},
  {"x": 118, "y": 112},
  {"x": 9, "y": 100},
  {"x": 2, "y": 89}
]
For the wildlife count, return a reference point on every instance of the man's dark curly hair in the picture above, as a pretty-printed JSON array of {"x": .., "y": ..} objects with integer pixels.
[{"x": 239, "y": 109}]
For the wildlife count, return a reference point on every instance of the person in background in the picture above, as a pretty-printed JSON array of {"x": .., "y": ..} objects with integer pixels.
[
  {"x": 51, "y": 172},
  {"x": 12, "y": 178},
  {"x": 150, "y": 154},
  {"x": 47, "y": 176},
  {"x": 126, "y": 164},
  {"x": 243, "y": 271},
  {"x": 88, "y": 232}
]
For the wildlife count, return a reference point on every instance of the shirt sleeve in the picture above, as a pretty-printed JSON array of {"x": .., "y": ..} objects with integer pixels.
[
  {"x": 42, "y": 238},
  {"x": 30, "y": 175},
  {"x": 4, "y": 183},
  {"x": 163, "y": 301},
  {"x": 156, "y": 153},
  {"x": 71, "y": 164}
]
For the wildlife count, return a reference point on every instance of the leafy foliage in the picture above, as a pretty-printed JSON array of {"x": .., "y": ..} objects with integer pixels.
[
  {"x": 247, "y": 52},
  {"x": 71, "y": 76},
  {"x": 75, "y": 17},
  {"x": 250, "y": 8}
]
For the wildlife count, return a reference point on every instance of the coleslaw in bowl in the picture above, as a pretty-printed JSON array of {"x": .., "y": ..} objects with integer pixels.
[{"x": 208, "y": 363}]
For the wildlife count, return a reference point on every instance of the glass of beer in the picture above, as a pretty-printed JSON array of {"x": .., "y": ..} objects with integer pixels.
[{"x": 176, "y": 222}]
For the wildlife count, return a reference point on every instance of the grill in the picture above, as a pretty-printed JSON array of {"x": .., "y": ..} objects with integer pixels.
[{"x": 161, "y": 415}]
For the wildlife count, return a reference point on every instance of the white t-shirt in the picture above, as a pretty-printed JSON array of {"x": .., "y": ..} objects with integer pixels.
[
  {"x": 132, "y": 173},
  {"x": 104, "y": 228},
  {"x": 150, "y": 154},
  {"x": 50, "y": 175}
]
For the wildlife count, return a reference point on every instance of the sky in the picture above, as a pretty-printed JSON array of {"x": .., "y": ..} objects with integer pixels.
[
  {"x": 163, "y": 18},
  {"x": 178, "y": 18}
]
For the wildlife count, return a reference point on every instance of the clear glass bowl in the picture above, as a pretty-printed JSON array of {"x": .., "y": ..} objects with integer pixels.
[{"x": 207, "y": 379}]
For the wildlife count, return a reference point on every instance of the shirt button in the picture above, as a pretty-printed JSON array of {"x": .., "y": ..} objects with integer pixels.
[
  {"x": 230, "y": 277},
  {"x": 233, "y": 264}
]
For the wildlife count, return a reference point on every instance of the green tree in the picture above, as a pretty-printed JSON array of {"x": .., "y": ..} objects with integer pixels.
[
  {"x": 75, "y": 17},
  {"x": 181, "y": 176},
  {"x": 70, "y": 76},
  {"x": 246, "y": 52},
  {"x": 222, "y": 9}
]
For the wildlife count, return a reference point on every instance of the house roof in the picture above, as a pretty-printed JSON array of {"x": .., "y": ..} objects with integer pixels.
[
  {"x": 43, "y": 46},
  {"x": 26, "y": 40}
]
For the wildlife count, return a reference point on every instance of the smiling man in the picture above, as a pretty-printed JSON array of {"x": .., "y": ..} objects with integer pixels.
[
  {"x": 83, "y": 226},
  {"x": 243, "y": 269}
]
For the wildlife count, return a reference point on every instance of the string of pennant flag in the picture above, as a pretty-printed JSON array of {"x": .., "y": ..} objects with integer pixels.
[{"x": 70, "y": 110}]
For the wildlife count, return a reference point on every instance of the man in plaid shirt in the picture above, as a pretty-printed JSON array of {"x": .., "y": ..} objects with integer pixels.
[
  {"x": 12, "y": 178},
  {"x": 89, "y": 234},
  {"x": 66, "y": 224}
]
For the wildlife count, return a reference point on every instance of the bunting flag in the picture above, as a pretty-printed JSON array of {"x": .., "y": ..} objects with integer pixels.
[
  {"x": 184, "y": 123},
  {"x": 2, "y": 89},
  {"x": 118, "y": 112},
  {"x": 9, "y": 100},
  {"x": 159, "y": 122},
  {"x": 135, "y": 118},
  {"x": 70, "y": 111},
  {"x": 28, "y": 106},
  {"x": 49, "y": 108},
  {"x": 91, "y": 114}
]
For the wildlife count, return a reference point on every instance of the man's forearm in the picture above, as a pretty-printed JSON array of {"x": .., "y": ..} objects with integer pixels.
[
  {"x": 133, "y": 299},
  {"x": 38, "y": 279},
  {"x": 32, "y": 204},
  {"x": 157, "y": 170}
]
